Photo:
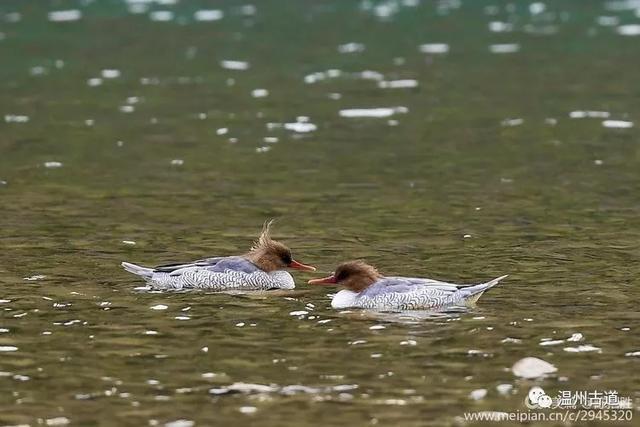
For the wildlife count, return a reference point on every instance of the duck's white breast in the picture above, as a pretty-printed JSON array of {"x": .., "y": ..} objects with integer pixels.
[{"x": 344, "y": 299}]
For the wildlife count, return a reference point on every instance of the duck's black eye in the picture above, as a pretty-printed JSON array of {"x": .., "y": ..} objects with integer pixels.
[
  {"x": 340, "y": 275},
  {"x": 286, "y": 258}
]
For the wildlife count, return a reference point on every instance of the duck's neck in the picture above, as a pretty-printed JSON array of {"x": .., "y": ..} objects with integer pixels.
[
  {"x": 363, "y": 281},
  {"x": 260, "y": 259}
]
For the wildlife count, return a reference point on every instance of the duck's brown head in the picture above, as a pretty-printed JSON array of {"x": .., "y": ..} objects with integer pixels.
[
  {"x": 271, "y": 255},
  {"x": 353, "y": 275}
]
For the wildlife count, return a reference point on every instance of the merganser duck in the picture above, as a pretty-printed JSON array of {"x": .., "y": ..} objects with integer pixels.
[
  {"x": 259, "y": 269},
  {"x": 366, "y": 288}
]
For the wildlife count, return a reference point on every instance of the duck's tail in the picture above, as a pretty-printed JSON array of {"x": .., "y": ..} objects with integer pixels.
[
  {"x": 471, "y": 294},
  {"x": 138, "y": 270}
]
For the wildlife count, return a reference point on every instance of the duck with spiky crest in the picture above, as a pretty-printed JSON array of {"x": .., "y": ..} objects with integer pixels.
[{"x": 262, "y": 268}]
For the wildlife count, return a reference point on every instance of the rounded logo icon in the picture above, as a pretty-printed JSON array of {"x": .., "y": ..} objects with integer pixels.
[
  {"x": 537, "y": 398},
  {"x": 545, "y": 401}
]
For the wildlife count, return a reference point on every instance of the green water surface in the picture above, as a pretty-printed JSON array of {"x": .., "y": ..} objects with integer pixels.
[{"x": 488, "y": 166}]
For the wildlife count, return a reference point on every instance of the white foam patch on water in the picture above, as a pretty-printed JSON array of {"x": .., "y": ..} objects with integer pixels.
[
  {"x": 478, "y": 394},
  {"x": 65, "y": 15},
  {"x": 208, "y": 15},
  {"x": 177, "y": 162},
  {"x": 52, "y": 165},
  {"x": 352, "y": 47},
  {"x": 372, "y": 112},
  {"x": 222, "y": 131},
  {"x": 110, "y": 73},
  {"x": 137, "y": 7},
  {"x": 629, "y": 30},
  {"x": 583, "y": 349},
  {"x": 248, "y": 10},
  {"x": 504, "y": 48},
  {"x": 576, "y": 337},
  {"x": 504, "y": 389},
  {"x": 551, "y": 342},
  {"x": 259, "y": 93},
  {"x": 38, "y": 70},
  {"x": 57, "y": 421},
  {"x": 537, "y": 8},
  {"x": 500, "y": 27},
  {"x": 434, "y": 48},
  {"x": 622, "y": 5},
  {"x": 4, "y": 348},
  {"x": 159, "y": 307},
  {"x": 334, "y": 73},
  {"x": 263, "y": 149},
  {"x": 617, "y": 124},
  {"x": 13, "y": 17},
  {"x": 127, "y": 108},
  {"x": 180, "y": 423},
  {"x": 370, "y": 75},
  {"x": 512, "y": 122},
  {"x": 234, "y": 65},
  {"x": 589, "y": 114},
  {"x": 95, "y": 81},
  {"x": 532, "y": 367},
  {"x": 607, "y": 21},
  {"x": 161, "y": 15},
  {"x": 398, "y": 84},
  {"x": 300, "y": 127},
  {"x": 16, "y": 118}
]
